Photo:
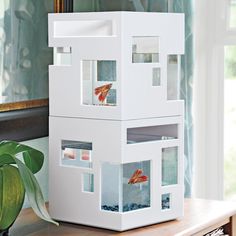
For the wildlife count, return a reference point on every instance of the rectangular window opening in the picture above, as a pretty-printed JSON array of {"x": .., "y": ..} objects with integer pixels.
[
  {"x": 88, "y": 182},
  {"x": 136, "y": 185},
  {"x": 83, "y": 28},
  {"x": 76, "y": 153},
  {"x": 99, "y": 82},
  {"x": 156, "y": 76},
  {"x": 152, "y": 133},
  {"x": 166, "y": 201},
  {"x": 145, "y": 49},
  {"x": 110, "y": 187},
  {"x": 169, "y": 166},
  {"x": 173, "y": 77}
]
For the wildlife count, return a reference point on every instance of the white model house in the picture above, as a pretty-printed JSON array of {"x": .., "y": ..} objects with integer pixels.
[{"x": 116, "y": 124}]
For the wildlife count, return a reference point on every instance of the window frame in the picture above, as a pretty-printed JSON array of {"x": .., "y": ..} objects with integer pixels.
[
  {"x": 210, "y": 42},
  {"x": 24, "y": 120}
]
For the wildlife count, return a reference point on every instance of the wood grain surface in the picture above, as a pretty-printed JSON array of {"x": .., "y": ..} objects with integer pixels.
[{"x": 201, "y": 216}]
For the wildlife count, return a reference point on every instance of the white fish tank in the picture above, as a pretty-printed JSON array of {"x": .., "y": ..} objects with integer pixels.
[{"x": 116, "y": 121}]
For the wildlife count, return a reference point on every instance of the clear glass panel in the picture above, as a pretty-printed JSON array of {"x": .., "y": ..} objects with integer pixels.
[
  {"x": 62, "y": 56},
  {"x": 76, "y": 153},
  {"x": 156, "y": 77},
  {"x": 125, "y": 187},
  {"x": 232, "y": 14},
  {"x": 165, "y": 201},
  {"x": 136, "y": 185},
  {"x": 145, "y": 49},
  {"x": 88, "y": 182},
  {"x": 110, "y": 186},
  {"x": 106, "y": 70},
  {"x": 152, "y": 133},
  {"x": 99, "y": 82},
  {"x": 24, "y": 51},
  {"x": 173, "y": 76},
  {"x": 169, "y": 166},
  {"x": 111, "y": 97},
  {"x": 230, "y": 123}
]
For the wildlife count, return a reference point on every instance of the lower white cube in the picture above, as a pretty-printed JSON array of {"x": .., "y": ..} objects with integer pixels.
[{"x": 116, "y": 174}]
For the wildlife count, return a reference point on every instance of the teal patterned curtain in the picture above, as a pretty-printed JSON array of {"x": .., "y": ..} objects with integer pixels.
[
  {"x": 24, "y": 51},
  {"x": 180, "y": 6},
  {"x": 186, "y": 6}
]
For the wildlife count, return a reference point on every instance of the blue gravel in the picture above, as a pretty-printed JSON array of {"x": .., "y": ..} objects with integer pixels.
[
  {"x": 110, "y": 208},
  {"x": 165, "y": 204},
  {"x": 127, "y": 207},
  {"x": 134, "y": 206}
]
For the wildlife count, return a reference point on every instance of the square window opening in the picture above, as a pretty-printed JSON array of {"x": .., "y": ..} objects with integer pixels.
[
  {"x": 99, "y": 82},
  {"x": 145, "y": 49},
  {"x": 125, "y": 187},
  {"x": 63, "y": 56}
]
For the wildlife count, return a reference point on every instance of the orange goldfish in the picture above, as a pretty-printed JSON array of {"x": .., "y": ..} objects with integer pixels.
[
  {"x": 137, "y": 177},
  {"x": 102, "y": 91},
  {"x": 69, "y": 153},
  {"x": 85, "y": 155}
]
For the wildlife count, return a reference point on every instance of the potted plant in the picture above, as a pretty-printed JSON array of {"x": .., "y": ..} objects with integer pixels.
[{"x": 18, "y": 164}]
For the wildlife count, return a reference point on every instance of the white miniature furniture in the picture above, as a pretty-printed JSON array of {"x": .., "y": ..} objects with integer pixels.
[{"x": 116, "y": 124}]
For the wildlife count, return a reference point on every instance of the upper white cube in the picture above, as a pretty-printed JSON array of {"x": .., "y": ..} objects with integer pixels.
[{"x": 115, "y": 65}]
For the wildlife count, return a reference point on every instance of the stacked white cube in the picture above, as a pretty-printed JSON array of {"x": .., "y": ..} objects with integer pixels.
[{"x": 138, "y": 120}]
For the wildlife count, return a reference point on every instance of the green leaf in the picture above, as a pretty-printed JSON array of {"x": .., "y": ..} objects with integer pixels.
[
  {"x": 1, "y": 193},
  {"x": 9, "y": 151},
  {"x": 33, "y": 158},
  {"x": 33, "y": 192},
  {"x": 12, "y": 194},
  {"x": 6, "y": 159}
]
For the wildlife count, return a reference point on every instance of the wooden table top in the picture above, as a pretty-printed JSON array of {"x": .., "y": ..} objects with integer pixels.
[{"x": 199, "y": 214}]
